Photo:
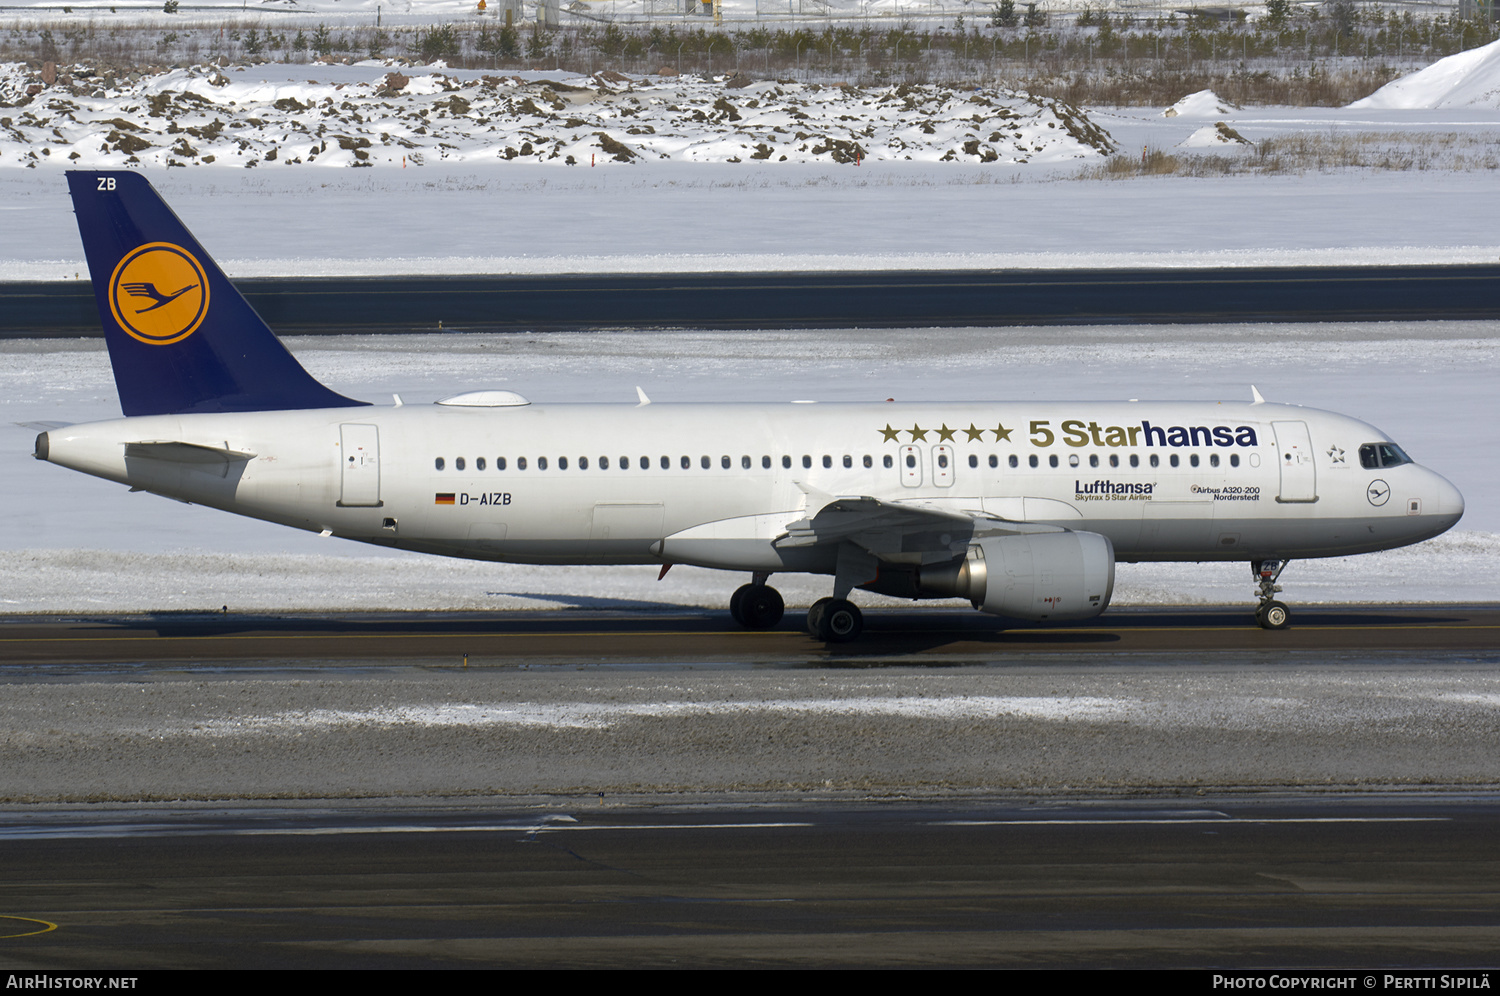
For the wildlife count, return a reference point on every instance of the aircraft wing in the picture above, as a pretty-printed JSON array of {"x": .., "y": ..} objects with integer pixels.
[{"x": 897, "y": 532}]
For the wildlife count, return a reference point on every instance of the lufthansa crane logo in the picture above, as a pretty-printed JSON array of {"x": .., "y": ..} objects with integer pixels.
[{"x": 159, "y": 293}]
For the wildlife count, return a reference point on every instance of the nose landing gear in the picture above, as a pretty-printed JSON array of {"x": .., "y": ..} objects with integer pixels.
[{"x": 1270, "y": 614}]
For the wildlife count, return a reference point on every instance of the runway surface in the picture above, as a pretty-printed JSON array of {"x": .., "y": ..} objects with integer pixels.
[
  {"x": 1279, "y": 880},
  {"x": 814, "y": 299},
  {"x": 919, "y": 636},
  {"x": 1159, "y": 788}
]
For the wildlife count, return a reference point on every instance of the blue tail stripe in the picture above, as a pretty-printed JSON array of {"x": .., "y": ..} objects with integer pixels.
[{"x": 194, "y": 343}]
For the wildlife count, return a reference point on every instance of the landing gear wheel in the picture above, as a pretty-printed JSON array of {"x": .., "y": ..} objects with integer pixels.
[
  {"x": 835, "y": 620},
  {"x": 1273, "y": 615},
  {"x": 757, "y": 606},
  {"x": 815, "y": 618}
]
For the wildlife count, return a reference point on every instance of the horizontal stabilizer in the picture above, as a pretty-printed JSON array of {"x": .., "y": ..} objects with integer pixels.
[{"x": 172, "y": 451}]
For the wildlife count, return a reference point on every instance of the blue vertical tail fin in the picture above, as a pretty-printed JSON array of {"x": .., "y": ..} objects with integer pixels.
[{"x": 181, "y": 338}]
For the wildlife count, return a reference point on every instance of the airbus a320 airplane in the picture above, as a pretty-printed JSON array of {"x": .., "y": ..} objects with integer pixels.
[{"x": 1021, "y": 509}]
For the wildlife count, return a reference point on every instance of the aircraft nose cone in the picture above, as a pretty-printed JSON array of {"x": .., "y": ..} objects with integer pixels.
[
  {"x": 1450, "y": 502},
  {"x": 1446, "y": 505}
]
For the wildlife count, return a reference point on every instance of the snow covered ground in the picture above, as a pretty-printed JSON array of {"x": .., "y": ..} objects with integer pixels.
[{"x": 943, "y": 178}]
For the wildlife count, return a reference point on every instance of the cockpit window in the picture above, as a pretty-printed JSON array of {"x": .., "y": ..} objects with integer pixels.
[{"x": 1373, "y": 456}]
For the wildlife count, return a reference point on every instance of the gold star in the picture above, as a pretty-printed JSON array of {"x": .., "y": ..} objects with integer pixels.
[
  {"x": 1001, "y": 432},
  {"x": 917, "y": 432},
  {"x": 945, "y": 433},
  {"x": 891, "y": 435},
  {"x": 974, "y": 432}
]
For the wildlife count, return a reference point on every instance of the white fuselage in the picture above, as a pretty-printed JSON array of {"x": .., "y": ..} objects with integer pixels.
[{"x": 717, "y": 484}]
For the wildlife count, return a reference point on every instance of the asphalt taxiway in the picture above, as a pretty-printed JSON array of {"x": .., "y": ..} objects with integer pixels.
[
  {"x": 916, "y": 636},
  {"x": 1157, "y": 788},
  {"x": 1360, "y": 883},
  {"x": 813, "y": 299}
]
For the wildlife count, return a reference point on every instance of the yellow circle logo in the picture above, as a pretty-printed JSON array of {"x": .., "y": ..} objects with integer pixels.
[{"x": 159, "y": 293}]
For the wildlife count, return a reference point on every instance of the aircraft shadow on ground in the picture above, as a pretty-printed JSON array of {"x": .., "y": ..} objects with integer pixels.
[{"x": 601, "y": 604}]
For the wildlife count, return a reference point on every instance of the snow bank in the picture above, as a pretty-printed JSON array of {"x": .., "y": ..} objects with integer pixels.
[
  {"x": 367, "y": 115},
  {"x": 1468, "y": 79},
  {"x": 1214, "y": 136},
  {"x": 1203, "y": 104}
]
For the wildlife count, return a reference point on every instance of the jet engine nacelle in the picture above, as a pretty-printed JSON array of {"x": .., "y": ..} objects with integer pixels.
[{"x": 1066, "y": 575}]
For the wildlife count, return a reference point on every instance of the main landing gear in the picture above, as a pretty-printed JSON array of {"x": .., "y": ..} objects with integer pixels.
[
  {"x": 1271, "y": 614},
  {"x": 835, "y": 620},
  {"x": 757, "y": 605}
]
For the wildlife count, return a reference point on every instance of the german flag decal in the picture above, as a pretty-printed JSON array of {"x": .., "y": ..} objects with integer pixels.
[{"x": 443, "y": 498}]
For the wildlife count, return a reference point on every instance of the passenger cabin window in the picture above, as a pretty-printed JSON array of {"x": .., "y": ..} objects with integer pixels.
[
  {"x": 604, "y": 463},
  {"x": 458, "y": 463},
  {"x": 1014, "y": 460},
  {"x": 541, "y": 463},
  {"x": 583, "y": 463},
  {"x": 499, "y": 463},
  {"x": 479, "y": 463},
  {"x": 520, "y": 463},
  {"x": 886, "y": 461},
  {"x": 786, "y": 461},
  {"x": 869, "y": 462},
  {"x": 562, "y": 463},
  {"x": 438, "y": 463},
  {"x": 827, "y": 461}
]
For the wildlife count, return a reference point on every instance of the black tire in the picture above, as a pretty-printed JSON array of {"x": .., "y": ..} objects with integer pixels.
[
  {"x": 737, "y": 604},
  {"x": 815, "y": 614},
  {"x": 842, "y": 621},
  {"x": 1274, "y": 615},
  {"x": 761, "y": 607}
]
